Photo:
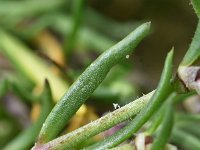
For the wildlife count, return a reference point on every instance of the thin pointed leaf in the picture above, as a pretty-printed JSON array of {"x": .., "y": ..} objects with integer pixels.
[
  {"x": 33, "y": 67},
  {"x": 162, "y": 92},
  {"x": 28, "y": 8},
  {"x": 185, "y": 139},
  {"x": 78, "y": 7},
  {"x": 28, "y": 137},
  {"x": 193, "y": 52},
  {"x": 166, "y": 127},
  {"x": 72, "y": 139},
  {"x": 23, "y": 93},
  {"x": 88, "y": 81},
  {"x": 196, "y": 5}
]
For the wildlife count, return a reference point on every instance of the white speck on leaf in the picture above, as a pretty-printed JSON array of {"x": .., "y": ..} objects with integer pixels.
[{"x": 116, "y": 105}]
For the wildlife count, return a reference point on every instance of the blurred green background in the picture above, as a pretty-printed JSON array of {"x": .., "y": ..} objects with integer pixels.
[{"x": 62, "y": 37}]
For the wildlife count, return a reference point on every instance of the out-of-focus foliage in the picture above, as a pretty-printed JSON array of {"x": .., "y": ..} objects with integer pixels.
[{"x": 58, "y": 39}]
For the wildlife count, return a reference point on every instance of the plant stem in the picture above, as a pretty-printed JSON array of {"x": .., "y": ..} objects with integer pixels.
[
  {"x": 162, "y": 92},
  {"x": 76, "y": 137},
  {"x": 87, "y": 82}
]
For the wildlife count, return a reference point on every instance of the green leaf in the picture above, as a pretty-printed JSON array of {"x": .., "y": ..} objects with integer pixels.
[
  {"x": 162, "y": 92},
  {"x": 196, "y": 5},
  {"x": 78, "y": 7},
  {"x": 87, "y": 82},
  {"x": 29, "y": 64},
  {"x": 23, "y": 93},
  {"x": 193, "y": 52},
  {"x": 76, "y": 137},
  {"x": 87, "y": 38},
  {"x": 165, "y": 130},
  {"x": 3, "y": 87},
  {"x": 27, "y": 8},
  {"x": 185, "y": 139},
  {"x": 28, "y": 136}
]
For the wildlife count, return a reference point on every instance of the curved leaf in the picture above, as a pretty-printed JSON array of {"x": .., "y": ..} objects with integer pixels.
[
  {"x": 163, "y": 90},
  {"x": 88, "y": 81}
]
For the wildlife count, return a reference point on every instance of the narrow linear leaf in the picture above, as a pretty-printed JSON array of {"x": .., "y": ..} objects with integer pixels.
[
  {"x": 30, "y": 65},
  {"x": 156, "y": 122},
  {"x": 87, "y": 82},
  {"x": 108, "y": 26},
  {"x": 3, "y": 87},
  {"x": 196, "y": 5},
  {"x": 193, "y": 52},
  {"x": 163, "y": 90},
  {"x": 185, "y": 139},
  {"x": 87, "y": 38},
  {"x": 28, "y": 137},
  {"x": 166, "y": 127},
  {"x": 187, "y": 117},
  {"x": 80, "y": 135},
  {"x": 23, "y": 93},
  {"x": 28, "y": 8},
  {"x": 77, "y": 16},
  {"x": 161, "y": 114},
  {"x": 186, "y": 126}
]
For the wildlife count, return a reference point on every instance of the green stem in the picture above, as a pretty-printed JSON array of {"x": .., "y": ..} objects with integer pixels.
[
  {"x": 163, "y": 90},
  {"x": 87, "y": 82},
  {"x": 80, "y": 135}
]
